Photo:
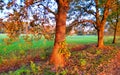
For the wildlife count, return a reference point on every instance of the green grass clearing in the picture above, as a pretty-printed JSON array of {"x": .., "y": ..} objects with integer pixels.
[{"x": 43, "y": 44}]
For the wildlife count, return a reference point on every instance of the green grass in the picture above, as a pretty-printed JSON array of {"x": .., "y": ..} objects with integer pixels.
[
  {"x": 82, "y": 39},
  {"x": 3, "y": 36},
  {"x": 89, "y": 61},
  {"x": 43, "y": 44},
  {"x": 22, "y": 45}
]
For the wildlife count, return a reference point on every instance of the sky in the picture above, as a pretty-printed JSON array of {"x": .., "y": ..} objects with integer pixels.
[{"x": 6, "y": 11}]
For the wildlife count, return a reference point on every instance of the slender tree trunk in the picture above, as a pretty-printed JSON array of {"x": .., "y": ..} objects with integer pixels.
[
  {"x": 114, "y": 39},
  {"x": 56, "y": 58},
  {"x": 115, "y": 34},
  {"x": 100, "y": 37},
  {"x": 116, "y": 26}
]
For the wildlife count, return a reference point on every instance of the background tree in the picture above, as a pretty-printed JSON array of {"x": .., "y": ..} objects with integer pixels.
[
  {"x": 99, "y": 11},
  {"x": 113, "y": 19},
  {"x": 101, "y": 21}
]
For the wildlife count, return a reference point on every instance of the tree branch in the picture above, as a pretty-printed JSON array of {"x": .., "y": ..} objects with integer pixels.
[
  {"x": 90, "y": 21},
  {"x": 97, "y": 15},
  {"x": 76, "y": 22},
  {"x": 95, "y": 26},
  {"x": 89, "y": 11},
  {"x": 106, "y": 10},
  {"x": 49, "y": 10}
]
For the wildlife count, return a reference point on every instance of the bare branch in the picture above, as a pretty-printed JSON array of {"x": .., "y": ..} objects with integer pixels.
[
  {"x": 95, "y": 26},
  {"x": 89, "y": 11},
  {"x": 76, "y": 22},
  {"x": 90, "y": 21},
  {"x": 49, "y": 10}
]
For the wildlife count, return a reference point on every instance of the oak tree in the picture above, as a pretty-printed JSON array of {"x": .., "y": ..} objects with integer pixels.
[{"x": 113, "y": 19}]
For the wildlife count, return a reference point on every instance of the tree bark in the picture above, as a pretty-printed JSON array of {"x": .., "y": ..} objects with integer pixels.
[
  {"x": 115, "y": 34},
  {"x": 100, "y": 37},
  {"x": 101, "y": 23},
  {"x": 56, "y": 58},
  {"x": 116, "y": 26},
  {"x": 114, "y": 38}
]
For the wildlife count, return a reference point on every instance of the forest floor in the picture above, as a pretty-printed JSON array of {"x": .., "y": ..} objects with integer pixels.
[
  {"x": 111, "y": 67},
  {"x": 114, "y": 66},
  {"x": 84, "y": 60}
]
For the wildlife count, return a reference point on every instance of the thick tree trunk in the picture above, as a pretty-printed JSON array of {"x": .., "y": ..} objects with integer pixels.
[
  {"x": 56, "y": 58},
  {"x": 100, "y": 37}
]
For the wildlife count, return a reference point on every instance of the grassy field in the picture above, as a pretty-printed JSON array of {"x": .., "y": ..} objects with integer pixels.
[
  {"x": 43, "y": 43},
  {"x": 81, "y": 39},
  {"x": 22, "y": 45},
  {"x": 23, "y": 51}
]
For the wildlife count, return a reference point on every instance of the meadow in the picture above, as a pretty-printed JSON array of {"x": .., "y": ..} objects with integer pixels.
[
  {"x": 31, "y": 56},
  {"x": 40, "y": 44}
]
